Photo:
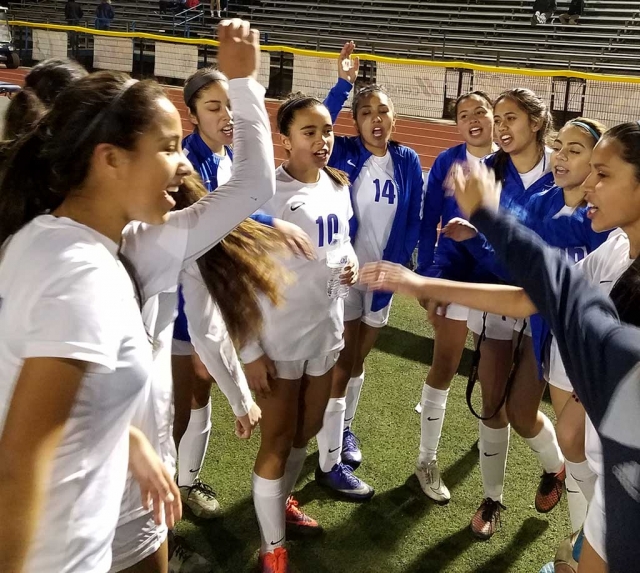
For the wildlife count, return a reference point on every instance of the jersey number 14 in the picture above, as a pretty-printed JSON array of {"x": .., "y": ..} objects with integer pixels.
[{"x": 388, "y": 191}]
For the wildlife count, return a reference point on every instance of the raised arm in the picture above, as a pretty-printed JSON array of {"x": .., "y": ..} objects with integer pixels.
[{"x": 347, "y": 74}]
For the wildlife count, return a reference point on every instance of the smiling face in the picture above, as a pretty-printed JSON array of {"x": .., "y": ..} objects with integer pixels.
[
  {"x": 310, "y": 138},
  {"x": 514, "y": 130},
  {"x": 375, "y": 120},
  {"x": 612, "y": 188},
  {"x": 154, "y": 168},
  {"x": 213, "y": 116},
  {"x": 572, "y": 149},
  {"x": 475, "y": 121}
]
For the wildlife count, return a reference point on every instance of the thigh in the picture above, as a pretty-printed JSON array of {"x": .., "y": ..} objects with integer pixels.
[
  {"x": 366, "y": 341},
  {"x": 559, "y": 399},
  {"x": 314, "y": 395},
  {"x": 448, "y": 345},
  {"x": 570, "y": 429},
  {"x": 347, "y": 358},
  {"x": 493, "y": 371},
  {"x": 157, "y": 562},
  {"x": 279, "y": 410}
]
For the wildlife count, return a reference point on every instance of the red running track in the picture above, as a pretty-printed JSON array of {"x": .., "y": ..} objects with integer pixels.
[{"x": 427, "y": 138}]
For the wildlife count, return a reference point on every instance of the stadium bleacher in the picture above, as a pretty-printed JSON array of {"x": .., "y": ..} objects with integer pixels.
[{"x": 497, "y": 32}]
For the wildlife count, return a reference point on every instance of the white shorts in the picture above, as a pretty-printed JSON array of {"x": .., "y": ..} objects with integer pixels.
[
  {"x": 498, "y": 327},
  {"x": 135, "y": 541},
  {"x": 295, "y": 369},
  {"x": 455, "y": 312},
  {"x": 594, "y": 525},
  {"x": 557, "y": 374},
  {"x": 357, "y": 305},
  {"x": 181, "y": 347}
]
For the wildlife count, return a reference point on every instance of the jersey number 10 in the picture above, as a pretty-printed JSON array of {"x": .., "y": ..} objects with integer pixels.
[
  {"x": 388, "y": 191},
  {"x": 331, "y": 228}
]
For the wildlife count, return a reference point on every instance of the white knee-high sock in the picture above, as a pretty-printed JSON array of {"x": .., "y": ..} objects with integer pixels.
[
  {"x": 193, "y": 445},
  {"x": 545, "y": 446},
  {"x": 292, "y": 470},
  {"x": 269, "y": 498},
  {"x": 434, "y": 404},
  {"x": 353, "y": 396},
  {"x": 494, "y": 447},
  {"x": 576, "y": 500},
  {"x": 330, "y": 436},
  {"x": 584, "y": 477}
]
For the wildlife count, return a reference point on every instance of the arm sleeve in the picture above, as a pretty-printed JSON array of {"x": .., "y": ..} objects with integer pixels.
[
  {"x": 263, "y": 218},
  {"x": 415, "y": 206},
  {"x": 211, "y": 341},
  {"x": 431, "y": 216},
  {"x": 77, "y": 314},
  {"x": 482, "y": 251},
  {"x": 159, "y": 252},
  {"x": 596, "y": 349},
  {"x": 337, "y": 97}
]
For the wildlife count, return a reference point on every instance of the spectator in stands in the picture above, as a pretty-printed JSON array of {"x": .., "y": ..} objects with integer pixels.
[
  {"x": 542, "y": 11},
  {"x": 217, "y": 6},
  {"x": 192, "y": 4},
  {"x": 104, "y": 15},
  {"x": 73, "y": 12},
  {"x": 576, "y": 9}
]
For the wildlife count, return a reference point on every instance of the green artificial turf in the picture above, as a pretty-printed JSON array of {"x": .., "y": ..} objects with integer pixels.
[{"x": 399, "y": 530}]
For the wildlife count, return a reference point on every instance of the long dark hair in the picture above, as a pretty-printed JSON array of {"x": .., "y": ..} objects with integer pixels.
[
  {"x": 43, "y": 166},
  {"x": 286, "y": 115},
  {"x": 240, "y": 269},
  {"x": 41, "y": 87},
  {"x": 626, "y": 294},
  {"x": 628, "y": 137},
  {"x": 537, "y": 110}
]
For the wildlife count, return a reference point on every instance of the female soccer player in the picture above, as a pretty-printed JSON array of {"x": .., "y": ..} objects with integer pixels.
[
  {"x": 206, "y": 94},
  {"x": 522, "y": 165},
  {"x": 291, "y": 365},
  {"x": 601, "y": 356},
  {"x": 386, "y": 194},
  {"x": 474, "y": 118},
  {"x": 80, "y": 330}
]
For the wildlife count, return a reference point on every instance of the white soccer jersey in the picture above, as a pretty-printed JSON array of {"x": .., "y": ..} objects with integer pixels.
[
  {"x": 224, "y": 169},
  {"x": 65, "y": 294},
  {"x": 604, "y": 267},
  {"x": 375, "y": 200},
  {"x": 308, "y": 324}
]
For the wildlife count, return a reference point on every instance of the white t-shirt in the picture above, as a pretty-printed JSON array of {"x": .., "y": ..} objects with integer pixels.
[
  {"x": 224, "y": 169},
  {"x": 604, "y": 267},
  {"x": 472, "y": 159},
  {"x": 375, "y": 199},
  {"x": 65, "y": 294},
  {"x": 543, "y": 167},
  {"x": 308, "y": 324}
]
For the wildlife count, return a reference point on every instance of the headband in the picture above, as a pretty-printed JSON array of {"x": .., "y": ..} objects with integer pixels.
[
  {"x": 199, "y": 82},
  {"x": 586, "y": 126}
]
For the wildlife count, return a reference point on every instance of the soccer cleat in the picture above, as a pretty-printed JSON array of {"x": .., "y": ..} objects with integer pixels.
[
  {"x": 549, "y": 491},
  {"x": 298, "y": 520},
  {"x": 185, "y": 560},
  {"x": 431, "y": 483},
  {"x": 200, "y": 499},
  {"x": 276, "y": 561},
  {"x": 565, "y": 561},
  {"x": 342, "y": 480},
  {"x": 351, "y": 454},
  {"x": 486, "y": 520}
]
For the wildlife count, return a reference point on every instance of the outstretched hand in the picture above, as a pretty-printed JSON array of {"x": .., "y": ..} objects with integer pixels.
[
  {"x": 390, "y": 277},
  {"x": 348, "y": 66}
]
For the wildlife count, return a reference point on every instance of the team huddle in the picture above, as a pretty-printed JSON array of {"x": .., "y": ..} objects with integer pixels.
[{"x": 138, "y": 267}]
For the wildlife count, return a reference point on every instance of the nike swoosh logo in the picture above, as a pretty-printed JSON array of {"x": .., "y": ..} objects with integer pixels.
[
  {"x": 276, "y": 542},
  {"x": 348, "y": 419},
  {"x": 296, "y": 206},
  {"x": 572, "y": 491},
  {"x": 194, "y": 471},
  {"x": 490, "y": 455},
  {"x": 349, "y": 162},
  {"x": 334, "y": 450},
  {"x": 432, "y": 419},
  {"x": 605, "y": 282}
]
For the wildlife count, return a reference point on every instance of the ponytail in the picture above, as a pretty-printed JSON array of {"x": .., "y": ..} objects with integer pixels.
[
  {"x": 626, "y": 294},
  {"x": 23, "y": 113},
  {"x": 25, "y": 186},
  {"x": 337, "y": 176}
]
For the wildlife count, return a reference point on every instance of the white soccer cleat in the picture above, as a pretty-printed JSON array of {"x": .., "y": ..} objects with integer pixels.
[{"x": 431, "y": 483}]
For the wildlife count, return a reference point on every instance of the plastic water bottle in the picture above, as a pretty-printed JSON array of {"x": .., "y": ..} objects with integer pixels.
[{"x": 337, "y": 260}]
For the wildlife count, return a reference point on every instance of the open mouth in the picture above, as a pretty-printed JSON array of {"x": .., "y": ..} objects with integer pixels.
[
  {"x": 377, "y": 132},
  {"x": 227, "y": 130},
  {"x": 560, "y": 171},
  {"x": 475, "y": 131},
  {"x": 591, "y": 210},
  {"x": 322, "y": 154},
  {"x": 506, "y": 140}
]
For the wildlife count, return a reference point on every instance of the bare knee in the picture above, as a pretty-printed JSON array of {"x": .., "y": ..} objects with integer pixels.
[
  {"x": 571, "y": 441},
  {"x": 522, "y": 420}
]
